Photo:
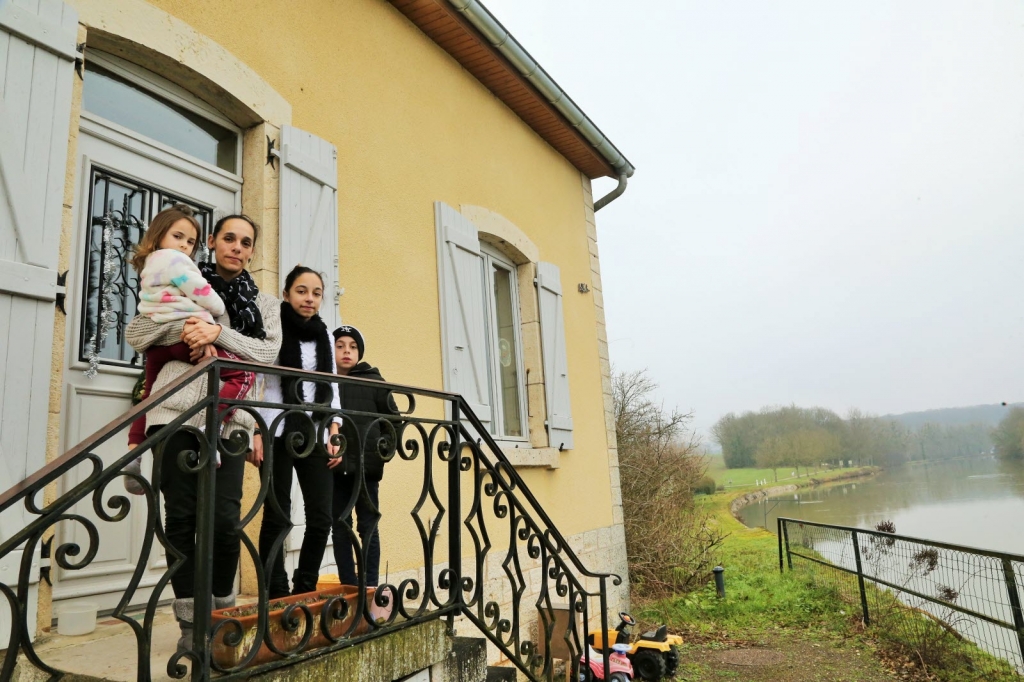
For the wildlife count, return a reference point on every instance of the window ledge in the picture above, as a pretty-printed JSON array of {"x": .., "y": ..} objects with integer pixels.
[{"x": 547, "y": 458}]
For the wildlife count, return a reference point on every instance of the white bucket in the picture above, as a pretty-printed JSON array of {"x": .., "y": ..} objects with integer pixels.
[{"x": 78, "y": 618}]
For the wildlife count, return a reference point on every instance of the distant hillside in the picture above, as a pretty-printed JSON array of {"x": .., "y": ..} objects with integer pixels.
[{"x": 954, "y": 416}]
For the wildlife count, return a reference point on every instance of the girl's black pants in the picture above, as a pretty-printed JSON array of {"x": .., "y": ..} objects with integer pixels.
[{"x": 315, "y": 482}]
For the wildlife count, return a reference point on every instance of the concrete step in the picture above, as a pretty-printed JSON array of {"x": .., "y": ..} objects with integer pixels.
[{"x": 467, "y": 661}]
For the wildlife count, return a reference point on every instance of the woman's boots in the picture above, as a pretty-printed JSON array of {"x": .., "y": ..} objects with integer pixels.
[{"x": 184, "y": 613}]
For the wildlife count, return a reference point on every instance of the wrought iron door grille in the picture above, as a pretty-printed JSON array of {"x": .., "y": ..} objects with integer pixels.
[{"x": 128, "y": 205}]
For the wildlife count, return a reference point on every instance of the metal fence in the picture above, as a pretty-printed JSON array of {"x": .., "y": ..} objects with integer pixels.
[
  {"x": 928, "y": 590},
  {"x": 483, "y": 537}
]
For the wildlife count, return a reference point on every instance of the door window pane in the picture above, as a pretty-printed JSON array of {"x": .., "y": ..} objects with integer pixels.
[
  {"x": 112, "y": 294},
  {"x": 124, "y": 103},
  {"x": 507, "y": 353}
]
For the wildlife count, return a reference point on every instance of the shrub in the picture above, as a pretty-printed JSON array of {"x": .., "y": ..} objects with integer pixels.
[
  {"x": 669, "y": 543},
  {"x": 705, "y": 486}
]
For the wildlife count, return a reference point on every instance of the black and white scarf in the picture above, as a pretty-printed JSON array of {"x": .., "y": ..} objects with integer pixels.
[
  {"x": 294, "y": 330},
  {"x": 240, "y": 300}
]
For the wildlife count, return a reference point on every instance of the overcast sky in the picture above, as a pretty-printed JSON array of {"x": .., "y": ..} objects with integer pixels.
[{"x": 829, "y": 197}]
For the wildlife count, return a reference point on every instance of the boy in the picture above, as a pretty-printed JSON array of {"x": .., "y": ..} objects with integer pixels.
[{"x": 349, "y": 348}]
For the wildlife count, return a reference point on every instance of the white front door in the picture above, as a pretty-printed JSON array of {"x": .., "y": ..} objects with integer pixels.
[{"x": 125, "y": 179}]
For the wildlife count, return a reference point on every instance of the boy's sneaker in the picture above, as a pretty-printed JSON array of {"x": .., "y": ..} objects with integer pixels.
[{"x": 131, "y": 484}]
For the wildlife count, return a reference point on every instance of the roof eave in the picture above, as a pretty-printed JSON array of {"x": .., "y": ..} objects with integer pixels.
[{"x": 502, "y": 65}]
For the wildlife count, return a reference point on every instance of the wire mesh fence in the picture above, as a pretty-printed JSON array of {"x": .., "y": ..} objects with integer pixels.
[{"x": 938, "y": 598}]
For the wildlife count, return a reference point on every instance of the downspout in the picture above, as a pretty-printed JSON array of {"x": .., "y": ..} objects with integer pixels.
[
  {"x": 499, "y": 38},
  {"x": 613, "y": 195}
]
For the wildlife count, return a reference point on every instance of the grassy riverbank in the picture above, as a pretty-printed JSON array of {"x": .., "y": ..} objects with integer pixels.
[{"x": 778, "y": 626}]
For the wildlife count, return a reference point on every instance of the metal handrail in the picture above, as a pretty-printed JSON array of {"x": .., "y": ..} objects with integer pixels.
[
  {"x": 101, "y": 435},
  {"x": 495, "y": 484},
  {"x": 496, "y": 449}
]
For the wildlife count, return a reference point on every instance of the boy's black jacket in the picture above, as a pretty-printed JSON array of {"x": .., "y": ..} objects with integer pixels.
[{"x": 365, "y": 399}]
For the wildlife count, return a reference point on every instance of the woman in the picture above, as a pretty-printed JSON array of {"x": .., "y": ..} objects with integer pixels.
[
  {"x": 254, "y": 335},
  {"x": 305, "y": 344}
]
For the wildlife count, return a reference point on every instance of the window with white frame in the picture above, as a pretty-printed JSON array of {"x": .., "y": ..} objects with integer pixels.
[{"x": 481, "y": 330}]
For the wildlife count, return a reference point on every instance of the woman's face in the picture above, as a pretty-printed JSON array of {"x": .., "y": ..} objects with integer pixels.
[
  {"x": 232, "y": 247},
  {"x": 306, "y": 295}
]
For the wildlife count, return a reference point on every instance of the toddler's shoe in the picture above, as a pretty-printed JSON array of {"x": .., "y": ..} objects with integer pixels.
[{"x": 131, "y": 484}]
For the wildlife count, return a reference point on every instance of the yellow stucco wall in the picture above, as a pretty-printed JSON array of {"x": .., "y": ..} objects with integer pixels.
[{"x": 412, "y": 127}]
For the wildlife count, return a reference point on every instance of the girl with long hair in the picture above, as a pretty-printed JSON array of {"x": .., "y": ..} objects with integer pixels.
[{"x": 299, "y": 445}]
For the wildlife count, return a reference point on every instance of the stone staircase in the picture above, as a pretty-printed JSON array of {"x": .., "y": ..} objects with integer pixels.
[{"x": 419, "y": 653}]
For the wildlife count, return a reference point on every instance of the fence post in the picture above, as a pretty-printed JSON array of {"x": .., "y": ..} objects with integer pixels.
[
  {"x": 860, "y": 579},
  {"x": 1018, "y": 616},
  {"x": 455, "y": 515},
  {"x": 789, "y": 557},
  {"x": 778, "y": 521}
]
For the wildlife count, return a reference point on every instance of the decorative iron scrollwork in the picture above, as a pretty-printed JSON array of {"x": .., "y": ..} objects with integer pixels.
[{"x": 508, "y": 592}]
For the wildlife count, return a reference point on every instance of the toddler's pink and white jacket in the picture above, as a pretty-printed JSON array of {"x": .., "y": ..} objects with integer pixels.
[{"x": 172, "y": 288}]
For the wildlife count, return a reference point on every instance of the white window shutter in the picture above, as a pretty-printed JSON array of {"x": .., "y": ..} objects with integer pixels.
[
  {"x": 309, "y": 213},
  {"x": 37, "y": 56},
  {"x": 463, "y": 317},
  {"x": 556, "y": 369}
]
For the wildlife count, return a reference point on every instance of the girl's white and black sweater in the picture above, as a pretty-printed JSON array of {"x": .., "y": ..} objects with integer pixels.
[{"x": 272, "y": 392}]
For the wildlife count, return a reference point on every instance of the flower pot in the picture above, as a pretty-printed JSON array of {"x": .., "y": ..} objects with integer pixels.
[{"x": 226, "y": 656}]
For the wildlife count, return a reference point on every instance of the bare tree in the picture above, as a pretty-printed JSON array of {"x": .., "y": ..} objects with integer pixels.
[{"x": 668, "y": 541}]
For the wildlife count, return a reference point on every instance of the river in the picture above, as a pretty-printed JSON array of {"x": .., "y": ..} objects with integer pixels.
[{"x": 974, "y": 502}]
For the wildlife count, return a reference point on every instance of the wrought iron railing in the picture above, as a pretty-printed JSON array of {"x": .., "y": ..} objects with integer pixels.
[
  {"x": 457, "y": 461},
  {"x": 969, "y": 593}
]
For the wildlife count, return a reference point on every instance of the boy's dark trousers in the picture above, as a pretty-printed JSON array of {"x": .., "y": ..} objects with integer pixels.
[
  {"x": 366, "y": 518},
  {"x": 315, "y": 481}
]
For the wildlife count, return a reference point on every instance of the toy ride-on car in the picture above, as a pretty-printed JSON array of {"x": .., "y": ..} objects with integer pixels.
[
  {"x": 654, "y": 655},
  {"x": 619, "y": 667}
]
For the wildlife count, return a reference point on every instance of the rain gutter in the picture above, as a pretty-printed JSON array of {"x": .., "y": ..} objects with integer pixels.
[{"x": 499, "y": 38}]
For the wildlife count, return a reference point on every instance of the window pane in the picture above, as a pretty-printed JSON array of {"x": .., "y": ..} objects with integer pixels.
[
  {"x": 126, "y": 104},
  {"x": 508, "y": 353}
]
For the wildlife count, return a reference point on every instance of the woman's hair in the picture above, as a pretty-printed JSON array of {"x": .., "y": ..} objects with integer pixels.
[
  {"x": 238, "y": 216},
  {"x": 297, "y": 272},
  {"x": 158, "y": 227}
]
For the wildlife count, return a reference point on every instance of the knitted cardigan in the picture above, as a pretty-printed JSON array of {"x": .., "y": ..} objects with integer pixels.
[{"x": 143, "y": 332}]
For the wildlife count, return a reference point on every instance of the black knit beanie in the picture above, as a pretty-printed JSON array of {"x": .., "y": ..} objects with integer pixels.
[{"x": 347, "y": 330}]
